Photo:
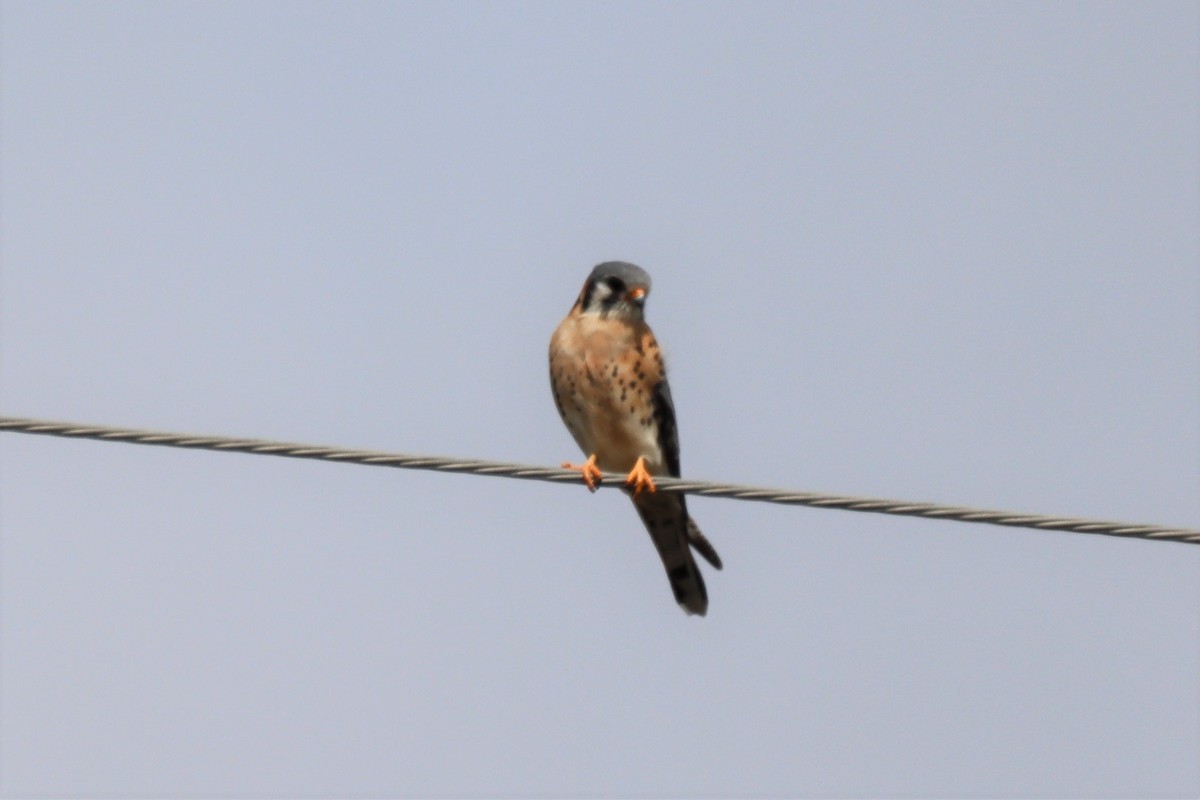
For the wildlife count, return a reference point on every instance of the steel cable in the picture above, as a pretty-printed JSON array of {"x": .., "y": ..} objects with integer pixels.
[{"x": 559, "y": 475}]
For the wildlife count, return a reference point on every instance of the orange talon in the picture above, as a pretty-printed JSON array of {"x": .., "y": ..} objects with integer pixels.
[
  {"x": 639, "y": 478},
  {"x": 591, "y": 473}
]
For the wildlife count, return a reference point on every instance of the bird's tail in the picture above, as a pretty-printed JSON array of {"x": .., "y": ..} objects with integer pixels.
[
  {"x": 665, "y": 517},
  {"x": 701, "y": 545}
]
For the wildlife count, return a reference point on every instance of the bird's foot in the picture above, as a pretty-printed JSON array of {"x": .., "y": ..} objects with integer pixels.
[
  {"x": 591, "y": 473},
  {"x": 639, "y": 478}
]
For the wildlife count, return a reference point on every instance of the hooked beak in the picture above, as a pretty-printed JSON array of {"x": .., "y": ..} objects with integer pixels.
[{"x": 637, "y": 294}]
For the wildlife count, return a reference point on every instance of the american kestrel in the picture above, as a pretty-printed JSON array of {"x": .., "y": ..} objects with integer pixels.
[{"x": 611, "y": 390}]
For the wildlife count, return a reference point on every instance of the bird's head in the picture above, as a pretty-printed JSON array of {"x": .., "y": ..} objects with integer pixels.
[{"x": 617, "y": 289}]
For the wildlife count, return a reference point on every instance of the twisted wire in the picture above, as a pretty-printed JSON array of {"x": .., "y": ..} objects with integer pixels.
[{"x": 558, "y": 475}]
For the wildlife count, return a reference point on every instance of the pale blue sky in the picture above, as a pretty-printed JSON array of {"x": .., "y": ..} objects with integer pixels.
[{"x": 938, "y": 251}]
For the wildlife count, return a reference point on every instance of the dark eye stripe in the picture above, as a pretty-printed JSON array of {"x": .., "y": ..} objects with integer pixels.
[
  {"x": 616, "y": 293},
  {"x": 590, "y": 290}
]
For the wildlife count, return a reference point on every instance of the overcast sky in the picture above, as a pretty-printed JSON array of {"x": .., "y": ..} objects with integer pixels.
[{"x": 929, "y": 251}]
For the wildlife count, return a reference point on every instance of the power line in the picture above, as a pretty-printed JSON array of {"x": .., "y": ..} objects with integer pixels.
[{"x": 556, "y": 475}]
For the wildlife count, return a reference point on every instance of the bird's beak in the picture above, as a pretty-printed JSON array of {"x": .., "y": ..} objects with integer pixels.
[{"x": 637, "y": 294}]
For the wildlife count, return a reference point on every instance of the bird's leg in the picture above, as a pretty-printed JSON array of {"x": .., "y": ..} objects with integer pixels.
[
  {"x": 639, "y": 478},
  {"x": 591, "y": 473}
]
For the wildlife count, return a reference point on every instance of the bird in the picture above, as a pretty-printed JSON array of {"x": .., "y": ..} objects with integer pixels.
[{"x": 610, "y": 387}]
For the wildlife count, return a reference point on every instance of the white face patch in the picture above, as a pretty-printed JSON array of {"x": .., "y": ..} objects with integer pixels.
[{"x": 601, "y": 295}]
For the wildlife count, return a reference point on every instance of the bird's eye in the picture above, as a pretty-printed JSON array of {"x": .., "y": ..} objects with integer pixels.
[{"x": 616, "y": 285}]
